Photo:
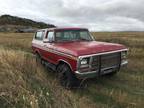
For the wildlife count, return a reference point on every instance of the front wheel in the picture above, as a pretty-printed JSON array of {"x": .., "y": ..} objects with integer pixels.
[{"x": 66, "y": 77}]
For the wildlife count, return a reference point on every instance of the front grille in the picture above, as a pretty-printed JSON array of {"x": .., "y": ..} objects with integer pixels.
[
  {"x": 110, "y": 60},
  {"x": 95, "y": 63},
  {"x": 104, "y": 62}
]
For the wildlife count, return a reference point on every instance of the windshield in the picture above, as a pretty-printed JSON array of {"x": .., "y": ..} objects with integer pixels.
[{"x": 73, "y": 35}]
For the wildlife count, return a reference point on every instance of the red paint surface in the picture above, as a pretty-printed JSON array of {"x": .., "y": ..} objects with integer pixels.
[{"x": 80, "y": 48}]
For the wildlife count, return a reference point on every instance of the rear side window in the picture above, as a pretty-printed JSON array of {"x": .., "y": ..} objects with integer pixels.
[{"x": 39, "y": 35}]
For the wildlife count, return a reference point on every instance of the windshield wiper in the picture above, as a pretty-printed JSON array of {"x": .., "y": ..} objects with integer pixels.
[{"x": 84, "y": 39}]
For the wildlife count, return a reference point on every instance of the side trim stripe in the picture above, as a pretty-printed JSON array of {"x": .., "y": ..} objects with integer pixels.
[{"x": 55, "y": 51}]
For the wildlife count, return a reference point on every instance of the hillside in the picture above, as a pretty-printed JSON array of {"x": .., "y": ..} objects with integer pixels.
[{"x": 13, "y": 23}]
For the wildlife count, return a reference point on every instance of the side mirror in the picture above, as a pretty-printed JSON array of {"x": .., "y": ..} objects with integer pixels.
[
  {"x": 45, "y": 41},
  {"x": 48, "y": 40}
]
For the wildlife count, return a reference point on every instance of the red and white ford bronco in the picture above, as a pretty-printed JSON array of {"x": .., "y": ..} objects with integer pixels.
[{"x": 75, "y": 55}]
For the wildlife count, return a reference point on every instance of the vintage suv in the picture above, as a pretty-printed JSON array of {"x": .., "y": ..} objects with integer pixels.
[{"x": 75, "y": 55}]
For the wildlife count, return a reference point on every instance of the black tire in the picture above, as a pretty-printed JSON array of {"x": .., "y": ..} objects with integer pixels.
[
  {"x": 38, "y": 58},
  {"x": 111, "y": 74},
  {"x": 66, "y": 77}
]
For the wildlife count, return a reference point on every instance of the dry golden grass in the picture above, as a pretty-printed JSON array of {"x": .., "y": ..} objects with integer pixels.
[
  {"x": 18, "y": 73},
  {"x": 26, "y": 84},
  {"x": 16, "y": 41}
]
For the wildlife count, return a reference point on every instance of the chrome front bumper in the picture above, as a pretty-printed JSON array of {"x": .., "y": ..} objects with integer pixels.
[{"x": 93, "y": 74}]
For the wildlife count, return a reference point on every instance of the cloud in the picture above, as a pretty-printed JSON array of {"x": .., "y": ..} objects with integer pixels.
[{"x": 99, "y": 15}]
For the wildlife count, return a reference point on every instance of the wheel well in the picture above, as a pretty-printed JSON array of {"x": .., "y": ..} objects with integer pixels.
[
  {"x": 64, "y": 62},
  {"x": 36, "y": 52}
]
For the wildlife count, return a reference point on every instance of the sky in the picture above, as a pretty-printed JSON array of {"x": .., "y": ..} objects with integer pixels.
[{"x": 96, "y": 15}]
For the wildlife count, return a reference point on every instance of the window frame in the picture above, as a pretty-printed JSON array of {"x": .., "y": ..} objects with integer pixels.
[
  {"x": 90, "y": 36},
  {"x": 48, "y": 35},
  {"x": 42, "y": 35}
]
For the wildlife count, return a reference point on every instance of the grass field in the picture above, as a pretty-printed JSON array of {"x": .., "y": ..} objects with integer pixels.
[{"x": 26, "y": 84}]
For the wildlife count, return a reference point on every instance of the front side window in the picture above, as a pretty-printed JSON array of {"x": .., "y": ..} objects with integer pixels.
[
  {"x": 72, "y": 35},
  {"x": 39, "y": 35},
  {"x": 50, "y": 36}
]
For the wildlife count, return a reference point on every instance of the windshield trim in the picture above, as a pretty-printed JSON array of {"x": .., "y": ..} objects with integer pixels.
[{"x": 90, "y": 36}]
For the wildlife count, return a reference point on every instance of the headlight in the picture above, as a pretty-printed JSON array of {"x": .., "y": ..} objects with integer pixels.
[
  {"x": 124, "y": 57},
  {"x": 84, "y": 62}
]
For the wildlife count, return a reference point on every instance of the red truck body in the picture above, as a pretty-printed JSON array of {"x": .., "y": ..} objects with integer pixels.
[{"x": 71, "y": 52}]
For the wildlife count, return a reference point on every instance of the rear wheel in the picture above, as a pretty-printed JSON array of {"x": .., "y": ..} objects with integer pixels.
[
  {"x": 38, "y": 58},
  {"x": 66, "y": 77}
]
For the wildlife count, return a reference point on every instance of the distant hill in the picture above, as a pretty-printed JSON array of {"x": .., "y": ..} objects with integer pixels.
[
  {"x": 13, "y": 23},
  {"x": 13, "y": 20}
]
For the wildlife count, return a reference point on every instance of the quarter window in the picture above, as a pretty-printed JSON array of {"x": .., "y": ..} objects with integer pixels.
[{"x": 39, "y": 35}]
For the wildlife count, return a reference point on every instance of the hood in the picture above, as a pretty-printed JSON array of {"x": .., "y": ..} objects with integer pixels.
[{"x": 79, "y": 48}]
